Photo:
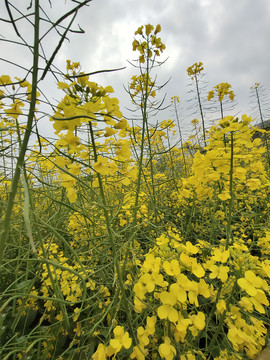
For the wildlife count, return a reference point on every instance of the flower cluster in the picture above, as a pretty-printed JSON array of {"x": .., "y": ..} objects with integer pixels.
[
  {"x": 150, "y": 43},
  {"x": 120, "y": 341},
  {"x": 195, "y": 69},
  {"x": 142, "y": 83},
  {"x": 87, "y": 104},
  {"x": 221, "y": 90}
]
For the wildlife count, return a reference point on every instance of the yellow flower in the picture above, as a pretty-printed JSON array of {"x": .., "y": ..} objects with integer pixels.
[
  {"x": 142, "y": 59},
  {"x": 100, "y": 353},
  {"x": 121, "y": 339},
  {"x": 198, "y": 322},
  {"x": 109, "y": 132},
  {"x": 59, "y": 316},
  {"x": 239, "y": 337},
  {"x": 167, "y": 311},
  {"x": 135, "y": 45},
  {"x": 266, "y": 268},
  {"x": 74, "y": 168},
  {"x": 221, "y": 306},
  {"x": 210, "y": 95},
  {"x": 139, "y": 352},
  {"x": 197, "y": 269},
  {"x": 62, "y": 85},
  {"x": 258, "y": 300},
  {"x": 194, "y": 122},
  {"x": 221, "y": 255},
  {"x": 189, "y": 356},
  {"x": 171, "y": 268},
  {"x": 175, "y": 99},
  {"x": 181, "y": 328},
  {"x": 104, "y": 167},
  {"x": 149, "y": 282},
  {"x": 224, "y": 196},
  {"x": 196, "y": 68},
  {"x": 77, "y": 314},
  {"x": 189, "y": 261},
  {"x": 5, "y": 79},
  {"x": 148, "y": 29},
  {"x": 221, "y": 90},
  {"x": 220, "y": 272},
  {"x": 123, "y": 152},
  {"x": 191, "y": 248},
  {"x": 139, "y": 30},
  {"x": 15, "y": 110},
  {"x": 158, "y": 29},
  {"x": 253, "y": 184},
  {"x": 166, "y": 350},
  {"x": 121, "y": 124},
  {"x": 179, "y": 292},
  {"x": 61, "y": 161},
  {"x": 109, "y": 89},
  {"x": 142, "y": 336},
  {"x": 250, "y": 283},
  {"x": 150, "y": 324}
]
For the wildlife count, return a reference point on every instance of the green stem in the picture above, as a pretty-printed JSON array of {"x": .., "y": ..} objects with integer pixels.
[
  {"x": 140, "y": 167},
  {"x": 153, "y": 197},
  {"x": 265, "y": 138},
  {"x": 221, "y": 110},
  {"x": 221, "y": 321},
  {"x": 222, "y": 117},
  {"x": 229, "y": 218},
  {"x": 144, "y": 118},
  {"x": 181, "y": 138},
  {"x": 112, "y": 241},
  {"x": 200, "y": 107},
  {"x": 28, "y": 131}
]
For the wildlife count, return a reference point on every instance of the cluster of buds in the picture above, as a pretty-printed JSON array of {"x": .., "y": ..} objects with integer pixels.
[
  {"x": 150, "y": 43},
  {"x": 140, "y": 83},
  {"x": 195, "y": 69},
  {"x": 175, "y": 99},
  {"x": 221, "y": 89},
  {"x": 255, "y": 86}
]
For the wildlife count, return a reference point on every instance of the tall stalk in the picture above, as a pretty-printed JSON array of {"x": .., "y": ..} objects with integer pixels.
[
  {"x": 149, "y": 46},
  {"x": 112, "y": 240},
  {"x": 193, "y": 71},
  {"x": 200, "y": 107},
  {"x": 174, "y": 100},
  {"x": 28, "y": 131},
  {"x": 265, "y": 138},
  {"x": 142, "y": 145},
  {"x": 229, "y": 217}
]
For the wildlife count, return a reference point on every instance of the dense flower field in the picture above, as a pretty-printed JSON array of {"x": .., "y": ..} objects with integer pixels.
[{"x": 122, "y": 246}]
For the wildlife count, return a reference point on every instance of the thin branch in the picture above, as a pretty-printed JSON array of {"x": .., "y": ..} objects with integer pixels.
[
  {"x": 65, "y": 16},
  {"x": 57, "y": 48},
  {"x": 93, "y": 73},
  {"x": 11, "y": 18}
]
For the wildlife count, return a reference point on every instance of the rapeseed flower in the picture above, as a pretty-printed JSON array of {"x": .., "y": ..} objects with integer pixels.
[
  {"x": 167, "y": 311},
  {"x": 166, "y": 350},
  {"x": 121, "y": 340}
]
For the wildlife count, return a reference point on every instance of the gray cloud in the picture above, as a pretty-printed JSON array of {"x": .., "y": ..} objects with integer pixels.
[{"x": 230, "y": 37}]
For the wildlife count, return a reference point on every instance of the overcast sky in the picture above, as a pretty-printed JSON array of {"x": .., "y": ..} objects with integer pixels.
[{"x": 230, "y": 37}]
